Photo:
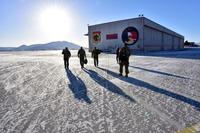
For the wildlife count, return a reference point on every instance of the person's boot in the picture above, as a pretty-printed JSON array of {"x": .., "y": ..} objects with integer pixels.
[
  {"x": 126, "y": 75},
  {"x": 120, "y": 74}
]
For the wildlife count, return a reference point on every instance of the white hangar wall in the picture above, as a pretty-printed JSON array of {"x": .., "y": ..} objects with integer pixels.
[
  {"x": 151, "y": 36},
  {"x": 113, "y": 28}
]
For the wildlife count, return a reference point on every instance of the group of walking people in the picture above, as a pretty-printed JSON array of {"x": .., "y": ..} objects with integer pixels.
[
  {"x": 67, "y": 54},
  {"x": 122, "y": 57}
]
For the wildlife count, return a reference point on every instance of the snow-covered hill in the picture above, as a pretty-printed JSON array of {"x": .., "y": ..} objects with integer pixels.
[{"x": 48, "y": 46}]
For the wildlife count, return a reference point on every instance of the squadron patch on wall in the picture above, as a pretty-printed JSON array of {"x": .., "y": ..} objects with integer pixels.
[
  {"x": 96, "y": 37},
  {"x": 130, "y": 35}
]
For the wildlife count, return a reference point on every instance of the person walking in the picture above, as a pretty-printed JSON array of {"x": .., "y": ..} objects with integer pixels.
[
  {"x": 117, "y": 55},
  {"x": 124, "y": 54},
  {"x": 66, "y": 55},
  {"x": 82, "y": 56},
  {"x": 95, "y": 55}
]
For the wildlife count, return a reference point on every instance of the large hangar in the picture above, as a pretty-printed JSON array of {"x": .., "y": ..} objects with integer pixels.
[{"x": 141, "y": 34}]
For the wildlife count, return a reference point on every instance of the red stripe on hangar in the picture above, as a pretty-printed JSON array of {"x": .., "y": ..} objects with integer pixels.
[{"x": 111, "y": 36}]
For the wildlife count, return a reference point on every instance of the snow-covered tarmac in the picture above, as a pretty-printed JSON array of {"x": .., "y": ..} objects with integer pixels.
[{"x": 161, "y": 94}]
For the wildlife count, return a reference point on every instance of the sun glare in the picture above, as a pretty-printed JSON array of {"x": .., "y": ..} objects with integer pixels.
[{"x": 55, "y": 22}]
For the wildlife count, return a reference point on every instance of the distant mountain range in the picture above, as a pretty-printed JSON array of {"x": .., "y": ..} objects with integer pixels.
[{"x": 48, "y": 46}]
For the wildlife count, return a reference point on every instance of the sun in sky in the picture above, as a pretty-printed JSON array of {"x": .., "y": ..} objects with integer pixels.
[{"x": 55, "y": 22}]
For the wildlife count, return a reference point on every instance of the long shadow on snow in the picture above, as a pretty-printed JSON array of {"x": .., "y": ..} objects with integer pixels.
[
  {"x": 107, "y": 84},
  {"x": 146, "y": 85},
  {"x": 78, "y": 87},
  {"x": 159, "y": 72}
]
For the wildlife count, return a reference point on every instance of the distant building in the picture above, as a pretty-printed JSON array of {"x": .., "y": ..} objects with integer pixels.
[
  {"x": 190, "y": 44},
  {"x": 141, "y": 34}
]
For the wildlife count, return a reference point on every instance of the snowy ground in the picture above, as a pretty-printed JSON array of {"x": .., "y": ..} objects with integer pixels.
[{"x": 161, "y": 94}]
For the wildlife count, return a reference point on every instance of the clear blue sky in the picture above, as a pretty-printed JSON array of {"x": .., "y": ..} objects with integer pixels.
[{"x": 30, "y": 22}]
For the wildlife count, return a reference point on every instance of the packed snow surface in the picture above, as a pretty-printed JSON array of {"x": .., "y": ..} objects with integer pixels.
[{"x": 161, "y": 94}]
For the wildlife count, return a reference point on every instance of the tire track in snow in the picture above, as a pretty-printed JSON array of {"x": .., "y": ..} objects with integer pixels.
[
  {"x": 22, "y": 79},
  {"x": 29, "y": 85}
]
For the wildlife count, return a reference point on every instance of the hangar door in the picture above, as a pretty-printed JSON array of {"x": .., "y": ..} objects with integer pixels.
[
  {"x": 152, "y": 39},
  {"x": 176, "y": 43},
  {"x": 168, "y": 41}
]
